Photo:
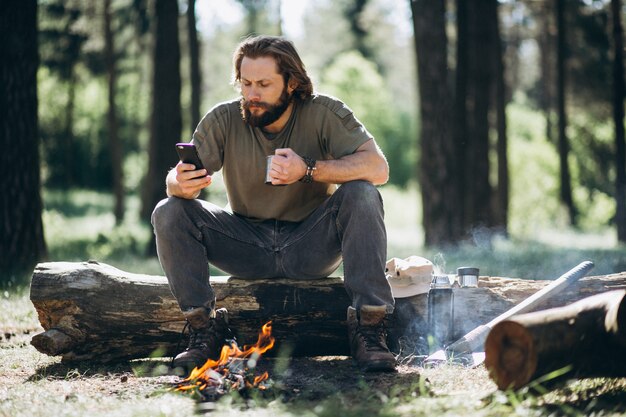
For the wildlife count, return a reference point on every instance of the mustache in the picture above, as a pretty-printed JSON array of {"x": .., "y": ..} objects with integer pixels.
[{"x": 246, "y": 104}]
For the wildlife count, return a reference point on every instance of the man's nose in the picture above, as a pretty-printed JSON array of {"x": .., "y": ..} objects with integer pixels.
[{"x": 254, "y": 94}]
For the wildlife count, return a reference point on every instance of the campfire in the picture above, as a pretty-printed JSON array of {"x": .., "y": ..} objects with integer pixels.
[{"x": 233, "y": 371}]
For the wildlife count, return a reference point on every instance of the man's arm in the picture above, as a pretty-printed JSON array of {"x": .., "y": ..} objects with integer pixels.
[
  {"x": 367, "y": 163},
  {"x": 184, "y": 181}
]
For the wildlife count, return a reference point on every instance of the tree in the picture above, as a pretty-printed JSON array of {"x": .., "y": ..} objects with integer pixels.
[
  {"x": 166, "y": 122},
  {"x": 478, "y": 213},
  {"x": 194, "y": 64},
  {"x": 501, "y": 206},
  {"x": 115, "y": 145},
  {"x": 618, "y": 117},
  {"x": 546, "y": 40},
  {"x": 460, "y": 113},
  {"x": 353, "y": 11},
  {"x": 253, "y": 10},
  {"x": 22, "y": 242},
  {"x": 61, "y": 26},
  {"x": 563, "y": 142},
  {"x": 437, "y": 167}
]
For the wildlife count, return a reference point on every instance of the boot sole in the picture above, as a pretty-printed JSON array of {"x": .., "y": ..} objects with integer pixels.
[{"x": 378, "y": 367}]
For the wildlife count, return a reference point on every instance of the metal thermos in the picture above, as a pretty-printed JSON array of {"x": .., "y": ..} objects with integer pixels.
[{"x": 440, "y": 311}]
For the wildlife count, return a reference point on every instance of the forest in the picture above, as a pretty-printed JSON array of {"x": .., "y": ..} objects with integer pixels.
[{"x": 500, "y": 120}]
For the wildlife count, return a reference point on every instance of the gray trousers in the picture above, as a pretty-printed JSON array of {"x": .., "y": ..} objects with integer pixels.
[{"x": 349, "y": 225}]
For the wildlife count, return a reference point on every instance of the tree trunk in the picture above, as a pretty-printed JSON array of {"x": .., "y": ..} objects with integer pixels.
[
  {"x": 195, "y": 76},
  {"x": 460, "y": 110},
  {"x": 544, "y": 13},
  {"x": 618, "y": 117},
  {"x": 478, "y": 213},
  {"x": 586, "y": 338},
  {"x": 563, "y": 145},
  {"x": 71, "y": 169},
  {"x": 353, "y": 13},
  {"x": 437, "y": 167},
  {"x": 166, "y": 123},
  {"x": 115, "y": 145},
  {"x": 501, "y": 212},
  {"x": 92, "y": 311},
  {"x": 22, "y": 242}
]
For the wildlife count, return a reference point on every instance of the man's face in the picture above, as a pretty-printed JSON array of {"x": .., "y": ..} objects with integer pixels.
[{"x": 265, "y": 97}]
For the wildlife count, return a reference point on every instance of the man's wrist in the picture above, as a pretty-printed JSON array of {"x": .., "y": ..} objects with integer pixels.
[{"x": 310, "y": 169}]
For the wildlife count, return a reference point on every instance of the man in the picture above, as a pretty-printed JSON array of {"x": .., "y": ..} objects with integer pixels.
[{"x": 301, "y": 230}]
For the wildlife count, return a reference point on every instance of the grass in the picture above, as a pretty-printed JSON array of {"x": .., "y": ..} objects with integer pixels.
[
  {"x": 79, "y": 226},
  {"x": 32, "y": 384}
]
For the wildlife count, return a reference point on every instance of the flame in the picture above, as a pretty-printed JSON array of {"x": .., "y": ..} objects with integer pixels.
[{"x": 217, "y": 372}]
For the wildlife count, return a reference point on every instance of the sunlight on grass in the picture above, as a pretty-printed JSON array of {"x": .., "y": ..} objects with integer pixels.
[{"x": 79, "y": 226}]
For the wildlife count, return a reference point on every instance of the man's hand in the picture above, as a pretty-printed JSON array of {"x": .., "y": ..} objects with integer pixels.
[
  {"x": 185, "y": 181},
  {"x": 287, "y": 167},
  {"x": 367, "y": 163}
]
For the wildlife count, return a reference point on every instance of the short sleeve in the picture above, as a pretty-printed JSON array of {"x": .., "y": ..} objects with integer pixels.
[
  {"x": 210, "y": 136},
  {"x": 342, "y": 132}
]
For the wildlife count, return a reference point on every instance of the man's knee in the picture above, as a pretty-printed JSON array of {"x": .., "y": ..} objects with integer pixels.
[
  {"x": 168, "y": 212},
  {"x": 361, "y": 193}
]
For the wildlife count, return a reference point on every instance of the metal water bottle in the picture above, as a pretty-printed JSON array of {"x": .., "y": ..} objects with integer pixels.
[{"x": 440, "y": 311}]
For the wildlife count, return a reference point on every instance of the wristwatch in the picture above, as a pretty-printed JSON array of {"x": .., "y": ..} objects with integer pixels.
[{"x": 310, "y": 169}]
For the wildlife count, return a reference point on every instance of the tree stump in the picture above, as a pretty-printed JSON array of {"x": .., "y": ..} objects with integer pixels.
[{"x": 93, "y": 311}]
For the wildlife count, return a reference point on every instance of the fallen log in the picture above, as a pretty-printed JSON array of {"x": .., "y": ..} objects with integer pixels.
[
  {"x": 584, "y": 339},
  {"x": 93, "y": 311}
]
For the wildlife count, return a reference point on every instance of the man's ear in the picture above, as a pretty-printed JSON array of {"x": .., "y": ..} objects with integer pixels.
[{"x": 292, "y": 85}]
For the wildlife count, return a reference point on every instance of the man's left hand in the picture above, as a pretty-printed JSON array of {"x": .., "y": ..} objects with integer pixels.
[{"x": 287, "y": 167}]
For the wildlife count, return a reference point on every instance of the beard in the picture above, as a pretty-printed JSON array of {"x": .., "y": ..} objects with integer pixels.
[{"x": 270, "y": 115}]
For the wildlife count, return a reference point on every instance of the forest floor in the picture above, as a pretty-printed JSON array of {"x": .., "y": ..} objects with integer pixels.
[{"x": 33, "y": 384}]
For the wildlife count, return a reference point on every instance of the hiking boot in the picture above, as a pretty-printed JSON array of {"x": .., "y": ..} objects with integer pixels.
[
  {"x": 368, "y": 345},
  {"x": 209, "y": 333}
]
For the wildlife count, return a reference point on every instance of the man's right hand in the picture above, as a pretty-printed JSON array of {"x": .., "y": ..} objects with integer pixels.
[{"x": 185, "y": 181}]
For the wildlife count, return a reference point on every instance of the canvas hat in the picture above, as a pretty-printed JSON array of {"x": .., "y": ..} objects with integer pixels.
[{"x": 410, "y": 276}]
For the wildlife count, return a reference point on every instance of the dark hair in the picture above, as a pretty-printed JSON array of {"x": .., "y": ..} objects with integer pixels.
[{"x": 288, "y": 61}]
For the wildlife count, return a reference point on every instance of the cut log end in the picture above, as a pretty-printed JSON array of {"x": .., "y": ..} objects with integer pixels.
[
  {"x": 52, "y": 342},
  {"x": 510, "y": 355}
]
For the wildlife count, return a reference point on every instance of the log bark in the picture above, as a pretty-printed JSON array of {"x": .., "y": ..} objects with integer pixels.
[
  {"x": 584, "y": 339},
  {"x": 93, "y": 311}
]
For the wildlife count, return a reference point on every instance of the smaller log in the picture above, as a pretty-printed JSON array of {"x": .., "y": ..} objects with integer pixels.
[{"x": 584, "y": 339}]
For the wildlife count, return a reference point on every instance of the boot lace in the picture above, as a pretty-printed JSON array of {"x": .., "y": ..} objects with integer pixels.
[
  {"x": 374, "y": 337},
  {"x": 201, "y": 338}
]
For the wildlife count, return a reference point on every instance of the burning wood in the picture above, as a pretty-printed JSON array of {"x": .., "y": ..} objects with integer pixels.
[{"x": 233, "y": 371}]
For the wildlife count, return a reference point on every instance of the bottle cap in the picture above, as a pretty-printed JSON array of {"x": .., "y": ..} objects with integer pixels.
[
  {"x": 467, "y": 270},
  {"x": 441, "y": 281}
]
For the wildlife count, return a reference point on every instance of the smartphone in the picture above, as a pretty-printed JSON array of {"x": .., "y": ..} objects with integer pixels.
[{"x": 188, "y": 154}]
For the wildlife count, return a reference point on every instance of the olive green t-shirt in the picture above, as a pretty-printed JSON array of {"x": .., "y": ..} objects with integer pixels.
[{"x": 320, "y": 127}]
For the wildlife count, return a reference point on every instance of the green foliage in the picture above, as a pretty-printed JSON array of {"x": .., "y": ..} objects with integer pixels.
[
  {"x": 357, "y": 82},
  {"x": 80, "y": 225},
  {"x": 533, "y": 168},
  {"x": 73, "y": 90},
  {"x": 534, "y": 173}
]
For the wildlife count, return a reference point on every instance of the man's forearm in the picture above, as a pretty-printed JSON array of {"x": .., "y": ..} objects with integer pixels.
[{"x": 368, "y": 164}]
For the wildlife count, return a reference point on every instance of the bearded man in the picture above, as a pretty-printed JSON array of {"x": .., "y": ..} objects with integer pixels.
[{"x": 303, "y": 230}]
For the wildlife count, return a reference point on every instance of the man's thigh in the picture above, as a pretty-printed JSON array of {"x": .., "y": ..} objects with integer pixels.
[
  {"x": 313, "y": 249},
  {"x": 236, "y": 245}
]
